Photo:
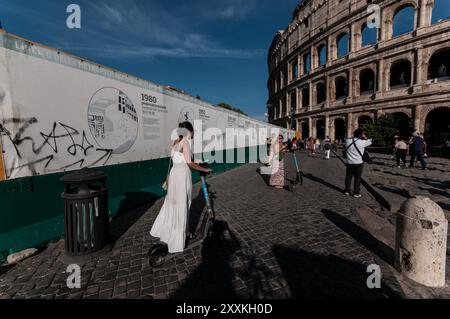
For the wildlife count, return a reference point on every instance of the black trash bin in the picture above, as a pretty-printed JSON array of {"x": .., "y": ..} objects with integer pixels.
[{"x": 86, "y": 213}]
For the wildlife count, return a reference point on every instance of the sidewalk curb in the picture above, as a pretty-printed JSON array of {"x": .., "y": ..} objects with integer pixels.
[{"x": 378, "y": 197}]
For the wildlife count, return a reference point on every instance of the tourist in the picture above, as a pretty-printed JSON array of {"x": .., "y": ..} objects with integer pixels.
[
  {"x": 312, "y": 146},
  {"x": 171, "y": 225},
  {"x": 277, "y": 154},
  {"x": 355, "y": 148},
  {"x": 401, "y": 150},
  {"x": 417, "y": 150},
  {"x": 327, "y": 147}
]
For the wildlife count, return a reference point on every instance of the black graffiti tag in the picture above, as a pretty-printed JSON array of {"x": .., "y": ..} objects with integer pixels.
[{"x": 79, "y": 144}]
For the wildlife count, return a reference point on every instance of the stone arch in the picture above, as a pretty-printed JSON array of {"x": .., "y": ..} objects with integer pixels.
[
  {"x": 341, "y": 87},
  {"x": 340, "y": 129},
  {"x": 320, "y": 128},
  {"x": 321, "y": 56},
  {"x": 400, "y": 74},
  {"x": 440, "y": 11},
  {"x": 438, "y": 64},
  {"x": 369, "y": 36},
  {"x": 437, "y": 125},
  {"x": 342, "y": 45},
  {"x": 305, "y": 100},
  {"x": 367, "y": 81},
  {"x": 393, "y": 11},
  {"x": 321, "y": 92},
  {"x": 403, "y": 8},
  {"x": 423, "y": 113}
]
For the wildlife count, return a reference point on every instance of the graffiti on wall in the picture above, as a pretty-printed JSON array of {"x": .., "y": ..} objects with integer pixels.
[{"x": 40, "y": 152}]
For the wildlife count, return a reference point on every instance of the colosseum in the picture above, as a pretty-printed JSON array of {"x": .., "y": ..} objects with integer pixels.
[{"x": 343, "y": 63}]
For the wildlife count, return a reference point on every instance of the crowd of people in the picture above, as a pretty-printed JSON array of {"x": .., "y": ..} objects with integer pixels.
[{"x": 355, "y": 155}]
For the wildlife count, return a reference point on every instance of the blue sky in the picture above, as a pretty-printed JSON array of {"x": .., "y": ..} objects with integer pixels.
[{"x": 214, "y": 48}]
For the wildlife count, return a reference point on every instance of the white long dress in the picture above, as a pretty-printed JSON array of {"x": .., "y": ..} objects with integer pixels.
[{"x": 172, "y": 223}]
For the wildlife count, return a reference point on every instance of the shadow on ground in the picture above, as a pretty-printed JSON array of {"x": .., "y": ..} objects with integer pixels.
[
  {"x": 362, "y": 236},
  {"x": 312, "y": 276},
  {"x": 131, "y": 209},
  {"x": 213, "y": 277},
  {"x": 323, "y": 182}
]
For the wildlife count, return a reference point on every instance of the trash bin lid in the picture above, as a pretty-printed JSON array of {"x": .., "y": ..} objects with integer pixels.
[{"x": 83, "y": 175}]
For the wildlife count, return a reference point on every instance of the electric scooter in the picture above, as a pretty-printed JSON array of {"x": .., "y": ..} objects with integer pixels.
[
  {"x": 159, "y": 254},
  {"x": 299, "y": 174}
]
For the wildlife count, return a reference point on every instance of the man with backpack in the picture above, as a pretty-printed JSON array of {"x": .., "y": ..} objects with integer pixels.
[
  {"x": 327, "y": 147},
  {"x": 353, "y": 155}
]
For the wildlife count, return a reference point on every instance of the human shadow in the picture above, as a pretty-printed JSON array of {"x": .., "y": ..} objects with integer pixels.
[
  {"x": 312, "y": 276},
  {"x": 131, "y": 209},
  {"x": 213, "y": 278},
  {"x": 362, "y": 236},
  {"x": 323, "y": 182}
]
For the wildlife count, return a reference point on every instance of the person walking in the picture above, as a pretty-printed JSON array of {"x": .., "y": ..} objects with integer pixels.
[
  {"x": 172, "y": 224},
  {"x": 417, "y": 150},
  {"x": 327, "y": 147},
  {"x": 401, "y": 150},
  {"x": 312, "y": 146},
  {"x": 277, "y": 154},
  {"x": 355, "y": 148}
]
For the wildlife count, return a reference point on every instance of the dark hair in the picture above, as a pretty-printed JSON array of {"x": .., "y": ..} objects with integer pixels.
[
  {"x": 186, "y": 125},
  {"x": 358, "y": 133}
]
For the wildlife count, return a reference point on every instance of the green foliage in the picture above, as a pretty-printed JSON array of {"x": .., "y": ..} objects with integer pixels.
[
  {"x": 231, "y": 108},
  {"x": 383, "y": 130}
]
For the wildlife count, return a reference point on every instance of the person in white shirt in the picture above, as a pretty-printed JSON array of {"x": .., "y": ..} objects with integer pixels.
[{"x": 355, "y": 148}]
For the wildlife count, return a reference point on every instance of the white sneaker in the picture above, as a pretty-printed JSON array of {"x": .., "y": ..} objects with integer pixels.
[{"x": 357, "y": 195}]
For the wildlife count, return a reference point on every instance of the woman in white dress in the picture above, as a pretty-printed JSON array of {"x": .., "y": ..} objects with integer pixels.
[{"x": 171, "y": 225}]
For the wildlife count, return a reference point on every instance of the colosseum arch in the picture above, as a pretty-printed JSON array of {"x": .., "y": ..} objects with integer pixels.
[
  {"x": 369, "y": 36},
  {"x": 367, "y": 81},
  {"x": 437, "y": 125},
  {"x": 440, "y": 11},
  {"x": 400, "y": 74},
  {"x": 321, "y": 92},
  {"x": 363, "y": 119},
  {"x": 305, "y": 96},
  {"x": 341, "y": 46},
  {"x": 404, "y": 119},
  {"x": 341, "y": 87},
  {"x": 438, "y": 65},
  {"x": 435, "y": 121},
  {"x": 321, "y": 55},
  {"x": 338, "y": 129},
  {"x": 401, "y": 19}
]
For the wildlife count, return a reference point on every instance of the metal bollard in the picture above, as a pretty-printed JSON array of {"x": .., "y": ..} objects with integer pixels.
[{"x": 421, "y": 241}]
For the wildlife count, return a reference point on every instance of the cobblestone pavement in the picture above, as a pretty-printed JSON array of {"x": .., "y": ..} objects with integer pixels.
[
  {"x": 305, "y": 244},
  {"x": 398, "y": 184}
]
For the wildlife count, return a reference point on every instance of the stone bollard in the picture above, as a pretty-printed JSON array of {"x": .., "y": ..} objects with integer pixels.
[{"x": 421, "y": 241}]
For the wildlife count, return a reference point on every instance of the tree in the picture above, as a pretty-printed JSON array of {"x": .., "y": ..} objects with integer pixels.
[
  {"x": 383, "y": 130},
  {"x": 231, "y": 108}
]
